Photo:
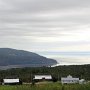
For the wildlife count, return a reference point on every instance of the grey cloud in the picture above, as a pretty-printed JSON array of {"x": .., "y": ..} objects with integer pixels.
[
  {"x": 42, "y": 18},
  {"x": 40, "y": 5}
]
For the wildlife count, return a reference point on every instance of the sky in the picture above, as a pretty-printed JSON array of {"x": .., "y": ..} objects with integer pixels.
[{"x": 57, "y": 29}]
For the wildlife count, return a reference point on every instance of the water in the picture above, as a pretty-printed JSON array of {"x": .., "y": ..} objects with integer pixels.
[{"x": 69, "y": 58}]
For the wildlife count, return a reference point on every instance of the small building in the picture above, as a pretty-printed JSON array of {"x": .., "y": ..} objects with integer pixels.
[
  {"x": 11, "y": 81},
  {"x": 42, "y": 77},
  {"x": 82, "y": 81},
  {"x": 69, "y": 80}
]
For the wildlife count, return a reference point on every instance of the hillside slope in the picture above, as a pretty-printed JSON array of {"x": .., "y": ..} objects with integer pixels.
[{"x": 10, "y": 58}]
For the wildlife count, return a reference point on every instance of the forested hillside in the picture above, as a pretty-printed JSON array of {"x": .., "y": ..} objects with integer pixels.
[{"x": 12, "y": 58}]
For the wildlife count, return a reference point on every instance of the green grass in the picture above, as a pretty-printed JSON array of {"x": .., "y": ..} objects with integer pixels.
[{"x": 46, "y": 86}]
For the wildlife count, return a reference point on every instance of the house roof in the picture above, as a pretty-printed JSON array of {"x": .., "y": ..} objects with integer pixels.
[
  {"x": 69, "y": 78},
  {"x": 43, "y": 76},
  {"x": 11, "y": 80}
]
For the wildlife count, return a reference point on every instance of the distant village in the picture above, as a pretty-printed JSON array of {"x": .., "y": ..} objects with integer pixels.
[{"x": 41, "y": 78}]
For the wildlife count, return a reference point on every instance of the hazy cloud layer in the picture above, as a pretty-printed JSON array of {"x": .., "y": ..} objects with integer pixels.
[{"x": 45, "y": 25}]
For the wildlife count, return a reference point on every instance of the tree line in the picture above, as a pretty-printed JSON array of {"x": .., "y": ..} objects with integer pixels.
[{"x": 27, "y": 74}]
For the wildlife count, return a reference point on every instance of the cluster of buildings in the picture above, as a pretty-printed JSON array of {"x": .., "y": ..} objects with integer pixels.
[{"x": 64, "y": 80}]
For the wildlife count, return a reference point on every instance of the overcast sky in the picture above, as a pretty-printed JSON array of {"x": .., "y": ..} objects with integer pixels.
[{"x": 48, "y": 27}]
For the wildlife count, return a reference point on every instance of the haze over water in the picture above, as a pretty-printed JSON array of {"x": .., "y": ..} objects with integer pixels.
[{"x": 69, "y": 58}]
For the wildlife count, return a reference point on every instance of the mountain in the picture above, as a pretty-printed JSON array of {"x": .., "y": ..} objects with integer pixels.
[{"x": 12, "y": 58}]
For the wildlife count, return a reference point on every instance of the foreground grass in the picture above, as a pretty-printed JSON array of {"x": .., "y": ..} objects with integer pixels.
[{"x": 47, "y": 86}]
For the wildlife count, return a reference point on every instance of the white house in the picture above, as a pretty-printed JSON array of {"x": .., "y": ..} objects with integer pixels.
[
  {"x": 11, "y": 81},
  {"x": 41, "y": 77},
  {"x": 69, "y": 80}
]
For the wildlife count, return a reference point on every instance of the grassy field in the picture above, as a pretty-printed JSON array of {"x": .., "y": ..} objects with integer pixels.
[{"x": 46, "y": 86}]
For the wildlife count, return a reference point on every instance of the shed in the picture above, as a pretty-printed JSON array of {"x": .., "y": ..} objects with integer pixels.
[
  {"x": 82, "y": 81},
  {"x": 11, "y": 81}
]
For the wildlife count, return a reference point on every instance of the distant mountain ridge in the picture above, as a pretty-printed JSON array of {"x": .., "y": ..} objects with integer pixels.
[{"x": 12, "y": 58}]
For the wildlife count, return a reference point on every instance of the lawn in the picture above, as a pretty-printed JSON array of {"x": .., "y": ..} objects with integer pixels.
[{"x": 46, "y": 86}]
